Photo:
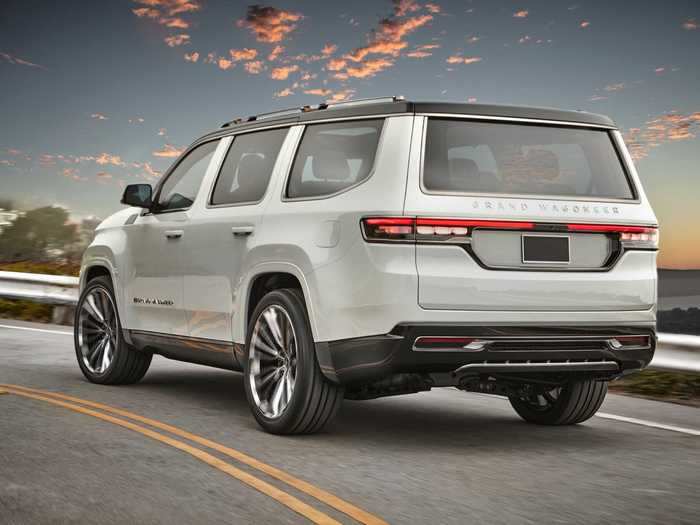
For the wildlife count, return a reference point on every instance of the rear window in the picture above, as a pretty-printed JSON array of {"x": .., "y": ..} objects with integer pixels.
[
  {"x": 484, "y": 157},
  {"x": 248, "y": 166},
  {"x": 333, "y": 157}
]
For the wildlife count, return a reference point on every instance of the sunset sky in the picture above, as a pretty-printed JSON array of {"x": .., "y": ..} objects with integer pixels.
[{"x": 96, "y": 95}]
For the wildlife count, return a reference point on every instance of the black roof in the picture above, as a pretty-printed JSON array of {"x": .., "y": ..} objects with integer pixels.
[{"x": 400, "y": 106}]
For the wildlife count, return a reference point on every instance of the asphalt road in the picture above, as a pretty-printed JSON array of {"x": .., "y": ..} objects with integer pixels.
[{"x": 439, "y": 457}]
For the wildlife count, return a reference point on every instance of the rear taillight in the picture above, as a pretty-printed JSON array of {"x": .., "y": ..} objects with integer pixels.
[
  {"x": 388, "y": 229},
  {"x": 457, "y": 231},
  {"x": 631, "y": 237},
  {"x": 423, "y": 229}
]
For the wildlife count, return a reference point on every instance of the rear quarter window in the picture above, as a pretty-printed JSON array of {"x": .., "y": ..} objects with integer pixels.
[
  {"x": 333, "y": 157},
  {"x": 464, "y": 156}
]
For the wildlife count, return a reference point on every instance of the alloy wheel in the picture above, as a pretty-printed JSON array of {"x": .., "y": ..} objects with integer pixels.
[
  {"x": 272, "y": 361},
  {"x": 97, "y": 330}
]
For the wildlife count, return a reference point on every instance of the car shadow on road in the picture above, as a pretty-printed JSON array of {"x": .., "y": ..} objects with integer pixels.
[{"x": 447, "y": 419}]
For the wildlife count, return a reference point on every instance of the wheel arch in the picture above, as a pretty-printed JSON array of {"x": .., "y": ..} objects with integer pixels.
[{"x": 262, "y": 279}]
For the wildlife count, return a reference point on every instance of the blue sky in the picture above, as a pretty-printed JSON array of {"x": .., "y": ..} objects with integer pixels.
[{"x": 96, "y": 95}]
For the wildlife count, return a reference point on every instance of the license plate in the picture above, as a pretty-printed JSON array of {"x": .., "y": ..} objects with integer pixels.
[{"x": 546, "y": 249}]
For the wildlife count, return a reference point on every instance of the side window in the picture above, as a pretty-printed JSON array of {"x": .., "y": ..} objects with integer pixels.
[
  {"x": 333, "y": 156},
  {"x": 248, "y": 166},
  {"x": 181, "y": 187}
]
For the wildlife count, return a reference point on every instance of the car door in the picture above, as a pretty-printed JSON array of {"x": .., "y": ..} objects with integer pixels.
[
  {"x": 154, "y": 281},
  {"x": 221, "y": 236}
]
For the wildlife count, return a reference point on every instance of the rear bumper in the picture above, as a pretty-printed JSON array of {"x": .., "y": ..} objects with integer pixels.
[{"x": 510, "y": 350}]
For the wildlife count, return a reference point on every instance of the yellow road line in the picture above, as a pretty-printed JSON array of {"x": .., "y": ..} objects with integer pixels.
[
  {"x": 286, "y": 499},
  {"x": 329, "y": 499}
]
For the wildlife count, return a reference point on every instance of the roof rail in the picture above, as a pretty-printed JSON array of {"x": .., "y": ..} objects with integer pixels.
[
  {"x": 363, "y": 101},
  {"x": 304, "y": 109}
]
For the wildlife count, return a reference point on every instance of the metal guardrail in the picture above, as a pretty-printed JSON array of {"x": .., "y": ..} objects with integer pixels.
[
  {"x": 674, "y": 352},
  {"x": 48, "y": 289}
]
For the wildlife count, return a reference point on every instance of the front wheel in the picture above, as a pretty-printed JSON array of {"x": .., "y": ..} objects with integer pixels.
[
  {"x": 569, "y": 404},
  {"x": 103, "y": 355},
  {"x": 286, "y": 390}
]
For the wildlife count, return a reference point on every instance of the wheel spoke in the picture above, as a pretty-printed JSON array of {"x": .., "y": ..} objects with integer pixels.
[
  {"x": 93, "y": 309},
  {"x": 271, "y": 319},
  {"x": 266, "y": 348},
  {"x": 277, "y": 397}
]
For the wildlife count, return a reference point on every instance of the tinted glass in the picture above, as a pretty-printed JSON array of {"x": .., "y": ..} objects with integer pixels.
[
  {"x": 482, "y": 157},
  {"x": 248, "y": 166},
  {"x": 182, "y": 186},
  {"x": 334, "y": 156}
]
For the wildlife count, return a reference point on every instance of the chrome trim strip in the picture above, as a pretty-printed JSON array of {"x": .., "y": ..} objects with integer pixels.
[
  {"x": 588, "y": 366},
  {"x": 516, "y": 119}
]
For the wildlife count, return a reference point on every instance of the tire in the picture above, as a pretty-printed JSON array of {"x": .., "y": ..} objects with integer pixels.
[
  {"x": 314, "y": 400},
  {"x": 126, "y": 365},
  {"x": 576, "y": 402}
]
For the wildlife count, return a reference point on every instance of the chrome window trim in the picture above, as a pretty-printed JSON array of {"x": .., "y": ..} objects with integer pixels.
[
  {"x": 516, "y": 119},
  {"x": 210, "y": 195},
  {"x": 530, "y": 196},
  {"x": 169, "y": 172},
  {"x": 370, "y": 174}
]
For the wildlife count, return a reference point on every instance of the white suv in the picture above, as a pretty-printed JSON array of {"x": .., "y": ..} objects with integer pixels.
[{"x": 384, "y": 247}]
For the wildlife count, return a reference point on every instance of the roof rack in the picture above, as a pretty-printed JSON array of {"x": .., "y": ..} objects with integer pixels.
[{"x": 305, "y": 109}]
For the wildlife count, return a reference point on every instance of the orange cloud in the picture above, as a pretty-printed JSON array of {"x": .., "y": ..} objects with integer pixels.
[
  {"x": 269, "y": 24},
  {"x": 254, "y": 67},
  {"x": 168, "y": 151},
  {"x": 342, "y": 95},
  {"x": 690, "y": 25},
  {"x": 321, "y": 92},
  {"x": 284, "y": 93},
  {"x": 282, "y": 73},
  {"x": 366, "y": 69},
  {"x": 224, "y": 63},
  {"x": 433, "y": 8},
  {"x": 422, "y": 51},
  {"x": 456, "y": 59},
  {"x": 584, "y": 24},
  {"x": 521, "y": 14},
  {"x": 191, "y": 57},
  {"x": 176, "y": 22},
  {"x": 328, "y": 50},
  {"x": 275, "y": 53},
  {"x": 336, "y": 64},
  {"x": 104, "y": 175},
  {"x": 243, "y": 54},
  {"x": 146, "y": 12},
  {"x": 403, "y": 7},
  {"x": 19, "y": 61},
  {"x": 664, "y": 128},
  {"x": 99, "y": 116},
  {"x": 106, "y": 158},
  {"x": 177, "y": 40}
]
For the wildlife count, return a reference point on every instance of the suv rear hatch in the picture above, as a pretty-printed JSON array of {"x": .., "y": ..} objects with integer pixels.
[{"x": 529, "y": 216}]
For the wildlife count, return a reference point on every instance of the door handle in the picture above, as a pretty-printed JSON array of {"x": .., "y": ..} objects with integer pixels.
[
  {"x": 173, "y": 234},
  {"x": 242, "y": 231}
]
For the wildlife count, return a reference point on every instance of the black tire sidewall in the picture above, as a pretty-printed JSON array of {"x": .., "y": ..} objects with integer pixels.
[{"x": 306, "y": 362}]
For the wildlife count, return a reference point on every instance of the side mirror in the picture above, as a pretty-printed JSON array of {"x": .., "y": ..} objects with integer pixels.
[{"x": 139, "y": 195}]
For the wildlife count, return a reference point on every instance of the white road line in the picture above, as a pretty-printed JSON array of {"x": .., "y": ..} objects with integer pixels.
[
  {"x": 651, "y": 424},
  {"x": 35, "y": 329}
]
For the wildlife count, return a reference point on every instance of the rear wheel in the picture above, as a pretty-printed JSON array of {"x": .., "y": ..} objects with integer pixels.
[
  {"x": 103, "y": 355},
  {"x": 286, "y": 390},
  {"x": 569, "y": 404}
]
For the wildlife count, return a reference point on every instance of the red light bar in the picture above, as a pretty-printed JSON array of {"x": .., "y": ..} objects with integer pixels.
[
  {"x": 613, "y": 228},
  {"x": 390, "y": 221},
  {"x": 469, "y": 223}
]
